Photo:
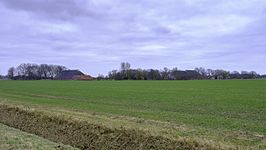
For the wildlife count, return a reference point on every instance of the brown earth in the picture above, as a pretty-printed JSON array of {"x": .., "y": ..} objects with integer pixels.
[{"x": 86, "y": 135}]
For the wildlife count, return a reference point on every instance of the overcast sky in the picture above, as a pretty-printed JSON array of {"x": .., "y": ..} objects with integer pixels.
[{"x": 96, "y": 35}]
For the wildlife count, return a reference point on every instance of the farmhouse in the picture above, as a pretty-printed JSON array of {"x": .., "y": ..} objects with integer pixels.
[{"x": 73, "y": 75}]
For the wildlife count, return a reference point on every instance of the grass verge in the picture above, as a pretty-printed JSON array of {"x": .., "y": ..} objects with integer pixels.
[
  {"x": 83, "y": 134},
  {"x": 14, "y": 139}
]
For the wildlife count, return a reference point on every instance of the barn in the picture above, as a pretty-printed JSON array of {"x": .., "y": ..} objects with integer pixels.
[{"x": 73, "y": 75}]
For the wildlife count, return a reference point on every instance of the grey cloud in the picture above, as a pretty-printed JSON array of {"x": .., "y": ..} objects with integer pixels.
[
  {"x": 147, "y": 33},
  {"x": 59, "y": 9}
]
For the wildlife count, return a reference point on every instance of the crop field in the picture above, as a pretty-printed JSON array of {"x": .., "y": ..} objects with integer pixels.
[{"x": 219, "y": 113}]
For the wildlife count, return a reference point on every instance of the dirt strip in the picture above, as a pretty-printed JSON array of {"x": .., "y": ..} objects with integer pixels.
[{"x": 86, "y": 135}]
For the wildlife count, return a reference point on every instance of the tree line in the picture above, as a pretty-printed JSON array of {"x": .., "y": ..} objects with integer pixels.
[
  {"x": 29, "y": 71},
  {"x": 126, "y": 73}
]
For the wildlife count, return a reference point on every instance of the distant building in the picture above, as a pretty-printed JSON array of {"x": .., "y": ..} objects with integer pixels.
[{"x": 73, "y": 75}]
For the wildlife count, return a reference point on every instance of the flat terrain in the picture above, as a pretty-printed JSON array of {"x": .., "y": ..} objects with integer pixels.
[
  {"x": 231, "y": 111},
  {"x": 15, "y": 139}
]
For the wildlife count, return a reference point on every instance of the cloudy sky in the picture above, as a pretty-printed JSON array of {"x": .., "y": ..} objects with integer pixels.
[{"x": 96, "y": 35}]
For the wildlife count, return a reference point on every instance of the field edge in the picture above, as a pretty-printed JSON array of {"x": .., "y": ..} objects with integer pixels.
[
  {"x": 12, "y": 138},
  {"x": 86, "y": 135}
]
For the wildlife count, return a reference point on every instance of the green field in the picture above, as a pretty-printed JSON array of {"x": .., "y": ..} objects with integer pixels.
[{"x": 230, "y": 110}]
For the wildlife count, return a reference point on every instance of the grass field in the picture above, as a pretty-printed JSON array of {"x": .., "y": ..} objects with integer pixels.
[
  {"x": 230, "y": 110},
  {"x": 15, "y": 139}
]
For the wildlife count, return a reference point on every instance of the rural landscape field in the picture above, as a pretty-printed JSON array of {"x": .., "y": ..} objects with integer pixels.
[
  {"x": 216, "y": 114},
  {"x": 132, "y": 75}
]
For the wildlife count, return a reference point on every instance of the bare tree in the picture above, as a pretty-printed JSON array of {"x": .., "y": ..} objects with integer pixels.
[
  {"x": 201, "y": 71},
  {"x": 43, "y": 70},
  {"x": 11, "y": 72},
  {"x": 125, "y": 66},
  {"x": 165, "y": 73},
  {"x": 21, "y": 69},
  {"x": 34, "y": 72},
  {"x": 125, "y": 69}
]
